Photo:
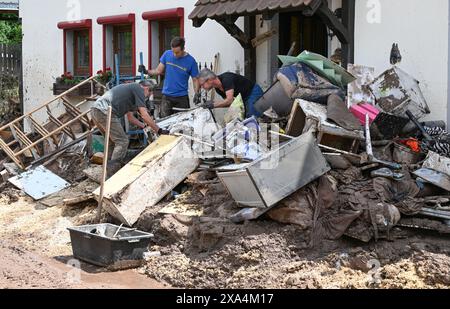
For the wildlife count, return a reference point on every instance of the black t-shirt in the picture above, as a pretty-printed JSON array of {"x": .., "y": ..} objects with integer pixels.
[{"x": 238, "y": 83}]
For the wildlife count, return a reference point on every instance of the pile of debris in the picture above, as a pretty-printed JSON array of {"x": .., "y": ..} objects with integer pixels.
[{"x": 314, "y": 166}]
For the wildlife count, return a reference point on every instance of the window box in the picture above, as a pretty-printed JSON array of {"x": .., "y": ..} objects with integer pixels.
[{"x": 85, "y": 90}]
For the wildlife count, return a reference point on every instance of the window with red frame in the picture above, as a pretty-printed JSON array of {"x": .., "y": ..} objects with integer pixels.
[
  {"x": 81, "y": 52},
  {"x": 77, "y": 47},
  {"x": 123, "y": 47}
]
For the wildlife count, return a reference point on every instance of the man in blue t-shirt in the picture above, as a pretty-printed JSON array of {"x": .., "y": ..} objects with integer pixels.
[{"x": 177, "y": 66}]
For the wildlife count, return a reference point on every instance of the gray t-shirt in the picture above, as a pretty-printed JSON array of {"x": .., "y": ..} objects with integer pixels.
[{"x": 123, "y": 99}]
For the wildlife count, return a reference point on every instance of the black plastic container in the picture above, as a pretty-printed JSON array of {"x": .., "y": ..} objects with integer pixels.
[{"x": 103, "y": 245}]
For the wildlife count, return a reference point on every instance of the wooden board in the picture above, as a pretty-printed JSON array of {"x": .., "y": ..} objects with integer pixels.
[
  {"x": 148, "y": 178},
  {"x": 296, "y": 122}
]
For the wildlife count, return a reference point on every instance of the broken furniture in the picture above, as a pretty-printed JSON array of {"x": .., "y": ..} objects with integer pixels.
[
  {"x": 148, "y": 178},
  {"x": 276, "y": 175},
  {"x": 32, "y": 144},
  {"x": 108, "y": 245},
  {"x": 357, "y": 90},
  {"x": 396, "y": 92},
  {"x": 306, "y": 115}
]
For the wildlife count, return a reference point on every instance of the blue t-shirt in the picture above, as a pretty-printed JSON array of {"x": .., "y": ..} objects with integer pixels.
[{"x": 177, "y": 74}]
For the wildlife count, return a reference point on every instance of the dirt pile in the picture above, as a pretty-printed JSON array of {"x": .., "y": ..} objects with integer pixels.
[{"x": 212, "y": 252}]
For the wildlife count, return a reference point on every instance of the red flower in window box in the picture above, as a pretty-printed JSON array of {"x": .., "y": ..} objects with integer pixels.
[{"x": 104, "y": 76}]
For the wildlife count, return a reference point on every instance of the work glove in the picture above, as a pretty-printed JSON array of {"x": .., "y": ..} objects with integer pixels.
[
  {"x": 142, "y": 69},
  {"x": 208, "y": 105},
  {"x": 197, "y": 98},
  {"x": 163, "y": 132}
]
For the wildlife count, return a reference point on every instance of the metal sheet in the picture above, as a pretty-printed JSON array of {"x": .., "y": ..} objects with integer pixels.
[
  {"x": 299, "y": 163},
  {"x": 39, "y": 182},
  {"x": 241, "y": 188},
  {"x": 278, "y": 174},
  {"x": 438, "y": 179}
]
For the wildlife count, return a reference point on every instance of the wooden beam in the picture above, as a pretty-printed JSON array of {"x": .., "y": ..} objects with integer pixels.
[
  {"x": 250, "y": 52},
  {"x": 348, "y": 19},
  {"x": 197, "y": 23},
  {"x": 333, "y": 23}
]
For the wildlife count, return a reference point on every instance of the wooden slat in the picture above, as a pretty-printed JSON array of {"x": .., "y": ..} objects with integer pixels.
[
  {"x": 24, "y": 140},
  {"x": 40, "y": 129},
  {"x": 53, "y": 132},
  {"x": 48, "y": 102},
  {"x": 11, "y": 154},
  {"x": 74, "y": 112},
  {"x": 2, "y": 58},
  {"x": 59, "y": 124}
]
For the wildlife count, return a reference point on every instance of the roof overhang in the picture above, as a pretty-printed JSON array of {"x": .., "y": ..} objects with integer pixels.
[
  {"x": 10, "y": 7},
  {"x": 226, "y": 9}
]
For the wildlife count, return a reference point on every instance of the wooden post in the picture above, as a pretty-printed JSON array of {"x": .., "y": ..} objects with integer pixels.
[
  {"x": 348, "y": 19},
  {"x": 250, "y": 52},
  {"x": 105, "y": 164}
]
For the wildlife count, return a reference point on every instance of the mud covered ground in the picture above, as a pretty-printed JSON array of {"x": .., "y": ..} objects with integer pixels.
[
  {"x": 212, "y": 252},
  {"x": 36, "y": 251}
]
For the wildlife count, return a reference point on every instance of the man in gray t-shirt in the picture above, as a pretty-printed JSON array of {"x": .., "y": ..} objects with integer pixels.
[{"x": 125, "y": 100}]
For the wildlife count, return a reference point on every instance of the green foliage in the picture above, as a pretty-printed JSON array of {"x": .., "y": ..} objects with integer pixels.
[{"x": 10, "y": 29}]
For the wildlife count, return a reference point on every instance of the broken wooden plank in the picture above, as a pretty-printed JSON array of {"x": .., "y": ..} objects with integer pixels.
[
  {"x": 77, "y": 200},
  {"x": 148, "y": 178}
]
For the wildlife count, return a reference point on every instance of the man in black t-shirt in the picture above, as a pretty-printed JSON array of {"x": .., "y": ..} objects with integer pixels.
[{"x": 228, "y": 86}]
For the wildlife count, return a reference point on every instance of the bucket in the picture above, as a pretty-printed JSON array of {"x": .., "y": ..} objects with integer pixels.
[{"x": 404, "y": 155}]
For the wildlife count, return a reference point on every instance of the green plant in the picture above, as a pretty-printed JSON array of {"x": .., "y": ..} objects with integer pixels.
[
  {"x": 104, "y": 76},
  {"x": 10, "y": 29}
]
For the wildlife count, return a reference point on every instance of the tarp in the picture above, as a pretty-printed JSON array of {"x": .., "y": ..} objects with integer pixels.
[{"x": 325, "y": 67}]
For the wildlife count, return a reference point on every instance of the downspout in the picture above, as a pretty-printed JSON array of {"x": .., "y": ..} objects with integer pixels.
[{"x": 448, "y": 66}]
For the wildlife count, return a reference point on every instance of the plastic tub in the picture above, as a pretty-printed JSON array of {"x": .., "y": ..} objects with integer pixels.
[{"x": 99, "y": 244}]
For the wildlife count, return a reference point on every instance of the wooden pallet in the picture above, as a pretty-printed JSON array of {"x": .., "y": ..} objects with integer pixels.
[{"x": 26, "y": 145}]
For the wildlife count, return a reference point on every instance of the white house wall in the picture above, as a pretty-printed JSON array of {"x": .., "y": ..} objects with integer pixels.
[
  {"x": 43, "y": 41},
  {"x": 421, "y": 29}
]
